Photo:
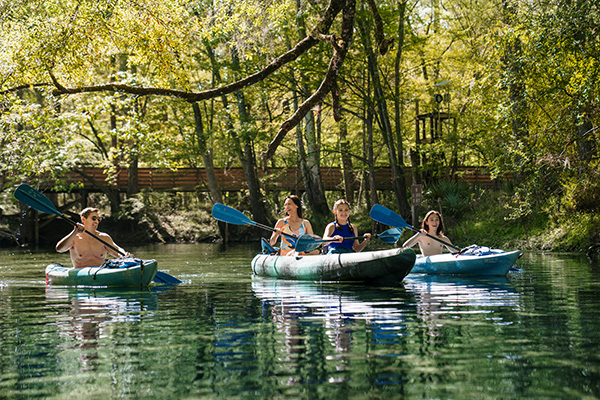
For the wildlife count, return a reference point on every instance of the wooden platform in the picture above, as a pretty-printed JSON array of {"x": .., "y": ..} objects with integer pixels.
[{"x": 233, "y": 179}]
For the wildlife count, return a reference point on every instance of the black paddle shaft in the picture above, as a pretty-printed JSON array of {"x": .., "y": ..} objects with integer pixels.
[{"x": 69, "y": 220}]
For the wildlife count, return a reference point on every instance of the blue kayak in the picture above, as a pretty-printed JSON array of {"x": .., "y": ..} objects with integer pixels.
[
  {"x": 126, "y": 272},
  {"x": 478, "y": 262}
]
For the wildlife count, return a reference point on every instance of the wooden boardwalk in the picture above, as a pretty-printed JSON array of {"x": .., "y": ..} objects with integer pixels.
[{"x": 233, "y": 179}]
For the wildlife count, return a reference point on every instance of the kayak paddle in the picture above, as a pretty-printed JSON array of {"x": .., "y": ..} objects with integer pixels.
[
  {"x": 386, "y": 216},
  {"x": 36, "y": 200},
  {"x": 307, "y": 243},
  {"x": 230, "y": 215}
]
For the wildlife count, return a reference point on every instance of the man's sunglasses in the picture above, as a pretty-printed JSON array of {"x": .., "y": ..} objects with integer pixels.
[{"x": 94, "y": 218}]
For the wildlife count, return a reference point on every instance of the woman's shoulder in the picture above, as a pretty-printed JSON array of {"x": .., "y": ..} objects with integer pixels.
[{"x": 280, "y": 221}]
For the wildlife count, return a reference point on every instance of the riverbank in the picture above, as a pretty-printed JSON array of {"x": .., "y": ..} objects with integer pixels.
[{"x": 484, "y": 220}]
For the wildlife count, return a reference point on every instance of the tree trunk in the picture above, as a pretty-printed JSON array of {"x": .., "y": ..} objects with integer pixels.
[
  {"x": 109, "y": 187},
  {"x": 370, "y": 157},
  {"x": 132, "y": 177},
  {"x": 312, "y": 173},
  {"x": 310, "y": 157},
  {"x": 243, "y": 147},
  {"x": 397, "y": 100},
  {"x": 514, "y": 70},
  {"x": 247, "y": 156},
  {"x": 213, "y": 185},
  {"x": 398, "y": 179},
  {"x": 347, "y": 169}
]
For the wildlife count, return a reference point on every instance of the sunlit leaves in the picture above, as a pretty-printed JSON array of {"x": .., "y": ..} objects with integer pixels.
[{"x": 36, "y": 141}]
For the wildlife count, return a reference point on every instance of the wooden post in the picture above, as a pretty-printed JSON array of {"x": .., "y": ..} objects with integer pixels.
[{"x": 416, "y": 196}]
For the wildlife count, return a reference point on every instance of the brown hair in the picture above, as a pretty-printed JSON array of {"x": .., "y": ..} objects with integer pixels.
[
  {"x": 440, "y": 229},
  {"x": 296, "y": 201},
  {"x": 87, "y": 211}
]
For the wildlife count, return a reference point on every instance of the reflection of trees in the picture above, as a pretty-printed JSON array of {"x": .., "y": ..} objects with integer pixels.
[{"x": 453, "y": 311}]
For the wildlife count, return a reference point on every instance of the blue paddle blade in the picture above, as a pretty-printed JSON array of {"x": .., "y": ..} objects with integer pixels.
[
  {"x": 230, "y": 215},
  {"x": 390, "y": 236},
  {"x": 307, "y": 243},
  {"x": 34, "y": 199},
  {"x": 163, "y": 277},
  {"x": 387, "y": 217}
]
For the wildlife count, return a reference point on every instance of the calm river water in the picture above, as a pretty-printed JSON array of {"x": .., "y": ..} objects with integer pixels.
[{"x": 224, "y": 333}]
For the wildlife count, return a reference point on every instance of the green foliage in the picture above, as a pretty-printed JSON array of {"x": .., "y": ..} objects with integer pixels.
[
  {"x": 455, "y": 197},
  {"x": 521, "y": 79}
]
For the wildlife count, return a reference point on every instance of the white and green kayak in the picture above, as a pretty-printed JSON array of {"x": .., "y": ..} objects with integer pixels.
[
  {"x": 390, "y": 266},
  {"x": 126, "y": 272}
]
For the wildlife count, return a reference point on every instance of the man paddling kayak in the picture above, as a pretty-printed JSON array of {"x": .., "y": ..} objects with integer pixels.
[{"x": 85, "y": 250}]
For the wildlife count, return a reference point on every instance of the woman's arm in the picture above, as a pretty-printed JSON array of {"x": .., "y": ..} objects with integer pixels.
[
  {"x": 309, "y": 231},
  {"x": 356, "y": 246},
  {"x": 328, "y": 231},
  {"x": 413, "y": 240},
  {"x": 276, "y": 232},
  {"x": 308, "y": 227}
]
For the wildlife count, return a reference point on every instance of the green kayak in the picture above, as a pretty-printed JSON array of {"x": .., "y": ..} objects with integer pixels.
[
  {"x": 384, "y": 265},
  {"x": 115, "y": 273}
]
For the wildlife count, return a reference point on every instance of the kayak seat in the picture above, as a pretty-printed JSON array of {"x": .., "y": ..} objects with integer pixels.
[{"x": 267, "y": 248}]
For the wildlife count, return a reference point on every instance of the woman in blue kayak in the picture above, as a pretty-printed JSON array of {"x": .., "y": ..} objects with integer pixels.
[
  {"x": 341, "y": 228},
  {"x": 433, "y": 225},
  {"x": 291, "y": 224}
]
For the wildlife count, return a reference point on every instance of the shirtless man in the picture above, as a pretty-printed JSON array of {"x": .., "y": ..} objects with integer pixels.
[
  {"x": 432, "y": 225},
  {"x": 85, "y": 250}
]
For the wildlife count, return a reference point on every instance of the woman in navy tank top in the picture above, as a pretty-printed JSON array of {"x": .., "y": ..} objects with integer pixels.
[{"x": 342, "y": 228}]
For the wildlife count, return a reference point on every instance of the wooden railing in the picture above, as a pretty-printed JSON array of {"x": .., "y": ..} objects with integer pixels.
[{"x": 233, "y": 179}]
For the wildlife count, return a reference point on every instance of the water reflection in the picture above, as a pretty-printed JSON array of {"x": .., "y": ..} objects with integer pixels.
[
  {"x": 83, "y": 316},
  {"x": 225, "y": 334},
  {"x": 340, "y": 309},
  {"x": 442, "y": 297},
  {"x": 447, "y": 290}
]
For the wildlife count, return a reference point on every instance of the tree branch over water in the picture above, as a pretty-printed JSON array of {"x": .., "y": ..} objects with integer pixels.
[
  {"x": 328, "y": 82},
  {"x": 322, "y": 28}
]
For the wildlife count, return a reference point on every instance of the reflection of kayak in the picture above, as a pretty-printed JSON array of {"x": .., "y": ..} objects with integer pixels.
[
  {"x": 117, "y": 273},
  {"x": 321, "y": 301},
  {"x": 393, "y": 264},
  {"x": 485, "y": 283},
  {"x": 461, "y": 291},
  {"x": 121, "y": 303},
  {"x": 494, "y": 262}
]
